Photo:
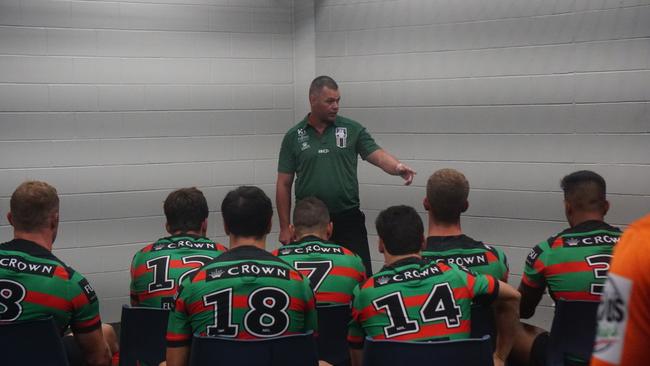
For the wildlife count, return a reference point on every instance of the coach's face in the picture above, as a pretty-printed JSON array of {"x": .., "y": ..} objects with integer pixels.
[{"x": 325, "y": 104}]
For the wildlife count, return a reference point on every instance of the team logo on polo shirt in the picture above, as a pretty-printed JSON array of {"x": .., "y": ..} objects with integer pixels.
[
  {"x": 302, "y": 135},
  {"x": 341, "y": 134}
]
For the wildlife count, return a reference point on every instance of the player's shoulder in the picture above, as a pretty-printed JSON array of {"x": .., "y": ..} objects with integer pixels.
[{"x": 298, "y": 126}]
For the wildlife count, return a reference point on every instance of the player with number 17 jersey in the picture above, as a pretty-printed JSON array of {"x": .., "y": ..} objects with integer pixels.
[
  {"x": 159, "y": 268},
  {"x": 246, "y": 293},
  {"x": 333, "y": 270},
  {"x": 415, "y": 299}
]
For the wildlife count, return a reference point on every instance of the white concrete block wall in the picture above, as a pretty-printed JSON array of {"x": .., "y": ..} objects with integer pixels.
[
  {"x": 116, "y": 103},
  {"x": 515, "y": 94}
]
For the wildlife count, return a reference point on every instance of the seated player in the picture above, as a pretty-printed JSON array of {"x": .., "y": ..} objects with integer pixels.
[
  {"x": 623, "y": 322},
  {"x": 414, "y": 299},
  {"x": 255, "y": 294},
  {"x": 35, "y": 284},
  {"x": 572, "y": 264},
  {"x": 447, "y": 192},
  {"x": 159, "y": 268},
  {"x": 333, "y": 270}
]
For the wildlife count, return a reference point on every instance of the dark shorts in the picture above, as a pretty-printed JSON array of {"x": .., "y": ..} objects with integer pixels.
[
  {"x": 350, "y": 232},
  {"x": 72, "y": 350},
  {"x": 538, "y": 350}
]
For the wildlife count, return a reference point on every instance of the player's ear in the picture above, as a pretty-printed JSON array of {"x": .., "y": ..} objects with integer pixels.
[
  {"x": 204, "y": 227},
  {"x": 168, "y": 228},
  {"x": 330, "y": 230},
  {"x": 423, "y": 243},
  {"x": 381, "y": 246},
  {"x": 225, "y": 228},
  {"x": 605, "y": 207},
  {"x": 465, "y": 206},
  {"x": 10, "y": 218},
  {"x": 425, "y": 203}
]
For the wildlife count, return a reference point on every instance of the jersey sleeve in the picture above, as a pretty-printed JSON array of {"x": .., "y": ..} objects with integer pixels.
[
  {"x": 85, "y": 305},
  {"x": 533, "y": 275},
  {"x": 355, "y": 330},
  {"x": 311, "y": 316},
  {"x": 179, "y": 330},
  {"x": 503, "y": 263},
  {"x": 366, "y": 145},
  {"x": 132, "y": 287},
  {"x": 483, "y": 289},
  {"x": 287, "y": 162}
]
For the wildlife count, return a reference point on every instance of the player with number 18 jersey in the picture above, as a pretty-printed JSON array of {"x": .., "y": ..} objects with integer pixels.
[
  {"x": 159, "y": 268},
  {"x": 246, "y": 293}
]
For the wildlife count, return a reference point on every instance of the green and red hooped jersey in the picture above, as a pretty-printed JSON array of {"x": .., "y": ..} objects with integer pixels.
[
  {"x": 246, "y": 293},
  {"x": 469, "y": 253},
  {"x": 333, "y": 270},
  {"x": 159, "y": 268},
  {"x": 35, "y": 284},
  {"x": 418, "y": 300},
  {"x": 574, "y": 263}
]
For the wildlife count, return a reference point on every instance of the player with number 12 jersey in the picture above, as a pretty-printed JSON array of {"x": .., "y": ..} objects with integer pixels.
[{"x": 159, "y": 268}]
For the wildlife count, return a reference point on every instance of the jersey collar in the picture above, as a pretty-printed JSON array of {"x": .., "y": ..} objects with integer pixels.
[
  {"x": 441, "y": 243},
  {"x": 28, "y": 247}
]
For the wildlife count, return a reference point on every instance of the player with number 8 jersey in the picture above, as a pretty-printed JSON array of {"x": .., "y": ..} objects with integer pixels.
[{"x": 158, "y": 269}]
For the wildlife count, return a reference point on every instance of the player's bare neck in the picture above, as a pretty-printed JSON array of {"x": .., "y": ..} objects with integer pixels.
[
  {"x": 390, "y": 259},
  {"x": 42, "y": 238},
  {"x": 188, "y": 232},
  {"x": 443, "y": 229},
  {"x": 240, "y": 241},
  {"x": 578, "y": 218}
]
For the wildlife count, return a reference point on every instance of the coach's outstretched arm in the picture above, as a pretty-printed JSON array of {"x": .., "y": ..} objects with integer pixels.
[
  {"x": 388, "y": 163},
  {"x": 506, "y": 316}
]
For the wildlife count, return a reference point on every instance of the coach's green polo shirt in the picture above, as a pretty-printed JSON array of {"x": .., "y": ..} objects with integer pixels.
[{"x": 326, "y": 165}]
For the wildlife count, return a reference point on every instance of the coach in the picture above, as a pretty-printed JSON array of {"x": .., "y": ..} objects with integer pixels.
[{"x": 321, "y": 151}]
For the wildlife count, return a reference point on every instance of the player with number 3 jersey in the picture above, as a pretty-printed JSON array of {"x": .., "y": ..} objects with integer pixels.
[
  {"x": 415, "y": 299},
  {"x": 333, "y": 270},
  {"x": 158, "y": 269}
]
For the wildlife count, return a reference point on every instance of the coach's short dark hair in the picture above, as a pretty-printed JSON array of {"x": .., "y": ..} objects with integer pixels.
[
  {"x": 585, "y": 190},
  {"x": 247, "y": 211},
  {"x": 310, "y": 214},
  {"x": 320, "y": 82},
  {"x": 32, "y": 204},
  {"x": 185, "y": 209},
  {"x": 401, "y": 229},
  {"x": 447, "y": 192}
]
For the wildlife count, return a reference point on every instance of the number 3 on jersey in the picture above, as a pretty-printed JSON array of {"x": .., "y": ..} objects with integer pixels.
[{"x": 439, "y": 305}]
